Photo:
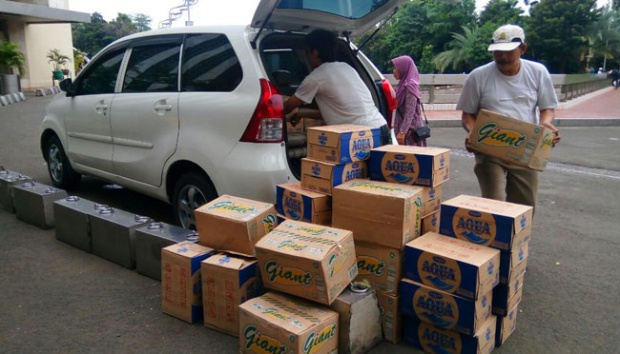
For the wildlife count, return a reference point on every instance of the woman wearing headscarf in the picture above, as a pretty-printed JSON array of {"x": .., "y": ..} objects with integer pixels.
[{"x": 408, "y": 97}]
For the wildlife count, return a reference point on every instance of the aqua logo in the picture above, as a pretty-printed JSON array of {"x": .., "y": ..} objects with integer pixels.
[
  {"x": 474, "y": 230},
  {"x": 490, "y": 268},
  {"x": 521, "y": 254},
  {"x": 354, "y": 174},
  {"x": 370, "y": 265},
  {"x": 316, "y": 340},
  {"x": 286, "y": 275},
  {"x": 293, "y": 206},
  {"x": 316, "y": 169},
  {"x": 362, "y": 145},
  {"x": 491, "y": 134},
  {"x": 484, "y": 301},
  {"x": 432, "y": 194},
  {"x": 442, "y": 161},
  {"x": 442, "y": 343},
  {"x": 523, "y": 220},
  {"x": 322, "y": 139},
  {"x": 434, "y": 309},
  {"x": 256, "y": 342}
]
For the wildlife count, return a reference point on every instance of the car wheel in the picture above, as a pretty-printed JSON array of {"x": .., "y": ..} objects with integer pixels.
[
  {"x": 60, "y": 170},
  {"x": 191, "y": 191}
]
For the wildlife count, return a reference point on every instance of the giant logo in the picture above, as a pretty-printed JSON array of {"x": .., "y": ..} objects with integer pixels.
[
  {"x": 230, "y": 206},
  {"x": 436, "y": 308},
  {"x": 316, "y": 340},
  {"x": 400, "y": 168},
  {"x": 474, "y": 227},
  {"x": 279, "y": 274},
  {"x": 370, "y": 265},
  {"x": 491, "y": 134},
  {"x": 259, "y": 343},
  {"x": 439, "y": 272}
]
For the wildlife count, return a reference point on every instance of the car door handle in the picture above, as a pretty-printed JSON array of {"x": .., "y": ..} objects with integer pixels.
[
  {"x": 101, "y": 107},
  {"x": 162, "y": 106}
]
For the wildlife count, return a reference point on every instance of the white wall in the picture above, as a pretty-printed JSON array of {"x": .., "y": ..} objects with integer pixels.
[{"x": 40, "y": 38}]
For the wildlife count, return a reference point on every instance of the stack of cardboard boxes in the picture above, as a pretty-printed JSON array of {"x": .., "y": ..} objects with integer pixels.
[
  {"x": 442, "y": 270},
  {"x": 504, "y": 226}
]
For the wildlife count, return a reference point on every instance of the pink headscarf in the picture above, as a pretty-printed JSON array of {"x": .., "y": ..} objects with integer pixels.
[{"x": 409, "y": 78}]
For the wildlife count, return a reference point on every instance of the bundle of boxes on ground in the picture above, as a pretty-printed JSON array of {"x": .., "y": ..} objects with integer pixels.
[{"x": 362, "y": 249}]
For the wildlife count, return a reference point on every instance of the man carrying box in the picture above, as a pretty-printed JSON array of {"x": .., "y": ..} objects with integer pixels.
[{"x": 514, "y": 87}]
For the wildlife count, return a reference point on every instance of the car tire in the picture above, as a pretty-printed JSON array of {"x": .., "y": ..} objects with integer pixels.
[
  {"x": 58, "y": 166},
  {"x": 191, "y": 191}
]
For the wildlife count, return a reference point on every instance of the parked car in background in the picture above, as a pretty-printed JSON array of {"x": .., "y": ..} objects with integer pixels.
[{"x": 187, "y": 114}]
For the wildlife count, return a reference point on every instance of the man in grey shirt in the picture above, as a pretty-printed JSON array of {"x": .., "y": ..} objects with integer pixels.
[{"x": 517, "y": 88}]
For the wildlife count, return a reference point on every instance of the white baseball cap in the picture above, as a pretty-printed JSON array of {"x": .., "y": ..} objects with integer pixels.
[{"x": 507, "y": 38}]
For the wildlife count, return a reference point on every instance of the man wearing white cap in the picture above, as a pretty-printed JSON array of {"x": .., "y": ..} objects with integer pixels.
[{"x": 515, "y": 87}]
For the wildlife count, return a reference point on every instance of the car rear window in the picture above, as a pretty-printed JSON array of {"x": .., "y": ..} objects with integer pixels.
[{"x": 209, "y": 64}]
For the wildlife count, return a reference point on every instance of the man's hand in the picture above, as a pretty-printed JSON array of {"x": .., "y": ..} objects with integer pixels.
[
  {"x": 546, "y": 117},
  {"x": 293, "y": 117}
]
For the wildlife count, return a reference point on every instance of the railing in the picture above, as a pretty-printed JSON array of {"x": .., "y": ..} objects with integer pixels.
[{"x": 446, "y": 88}]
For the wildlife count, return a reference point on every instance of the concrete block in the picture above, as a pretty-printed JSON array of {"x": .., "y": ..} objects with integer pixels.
[
  {"x": 16, "y": 97},
  {"x": 4, "y": 101},
  {"x": 22, "y": 96},
  {"x": 40, "y": 92},
  {"x": 10, "y": 99}
]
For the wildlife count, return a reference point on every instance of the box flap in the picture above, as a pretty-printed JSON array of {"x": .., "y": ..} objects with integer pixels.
[
  {"x": 188, "y": 249},
  {"x": 235, "y": 208},
  {"x": 454, "y": 248},
  {"x": 381, "y": 188},
  {"x": 229, "y": 261}
]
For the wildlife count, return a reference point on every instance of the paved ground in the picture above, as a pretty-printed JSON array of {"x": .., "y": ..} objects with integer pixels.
[{"x": 57, "y": 299}]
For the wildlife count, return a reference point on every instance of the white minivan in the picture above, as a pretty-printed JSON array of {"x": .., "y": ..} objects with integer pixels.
[{"x": 187, "y": 114}]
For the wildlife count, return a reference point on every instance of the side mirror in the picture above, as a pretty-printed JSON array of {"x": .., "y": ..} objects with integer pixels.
[{"x": 67, "y": 86}]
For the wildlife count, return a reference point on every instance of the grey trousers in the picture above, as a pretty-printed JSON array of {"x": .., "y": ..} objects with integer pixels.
[{"x": 501, "y": 181}]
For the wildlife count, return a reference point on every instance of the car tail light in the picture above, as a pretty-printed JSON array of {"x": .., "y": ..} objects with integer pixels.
[
  {"x": 268, "y": 119},
  {"x": 390, "y": 96}
]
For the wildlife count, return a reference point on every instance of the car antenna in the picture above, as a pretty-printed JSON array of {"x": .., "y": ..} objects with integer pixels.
[
  {"x": 262, "y": 27},
  {"x": 375, "y": 32}
]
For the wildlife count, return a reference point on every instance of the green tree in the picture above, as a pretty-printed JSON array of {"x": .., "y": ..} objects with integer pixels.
[
  {"x": 555, "y": 33},
  {"x": 92, "y": 37},
  {"x": 501, "y": 12},
  {"x": 466, "y": 52}
]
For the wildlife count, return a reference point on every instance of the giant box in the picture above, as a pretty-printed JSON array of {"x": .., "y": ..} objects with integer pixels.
[
  {"x": 307, "y": 260},
  {"x": 511, "y": 140}
]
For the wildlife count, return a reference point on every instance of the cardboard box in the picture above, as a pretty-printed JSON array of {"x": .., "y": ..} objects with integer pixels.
[
  {"x": 381, "y": 266},
  {"x": 410, "y": 165},
  {"x": 442, "y": 309},
  {"x": 234, "y": 224},
  {"x": 227, "y": 282},
  {"x": 342, "y": 143},
  {"x": 381, "y": 213},
  {"x": 430, "y": 223},
  {"x": 505, "y": 297},
  {"x": 180, "y": 280},
  {"x": 486, "y": 222},
  {"x": 307, "y": 260},
  {"x": 360, "y": 321},
  {"x": 296, "y": 203},
  {"x": 510, "y": 263},
  {"x": 436, "y": 340},
  {"x": 451, "y": 265},
  {"x": 431, "y": 200},
  {"x": 391, "y": 319},
  {"x": 310, "y": 123},
  {"x": 275, "y": 323},
  {"x": 506, "y": 325},
  {"x": 322, "y": 177},
  {"x": 511, "y": 140}
]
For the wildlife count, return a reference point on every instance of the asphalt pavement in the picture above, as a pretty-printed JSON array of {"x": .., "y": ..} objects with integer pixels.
[{"x": 55, "y": 298}]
